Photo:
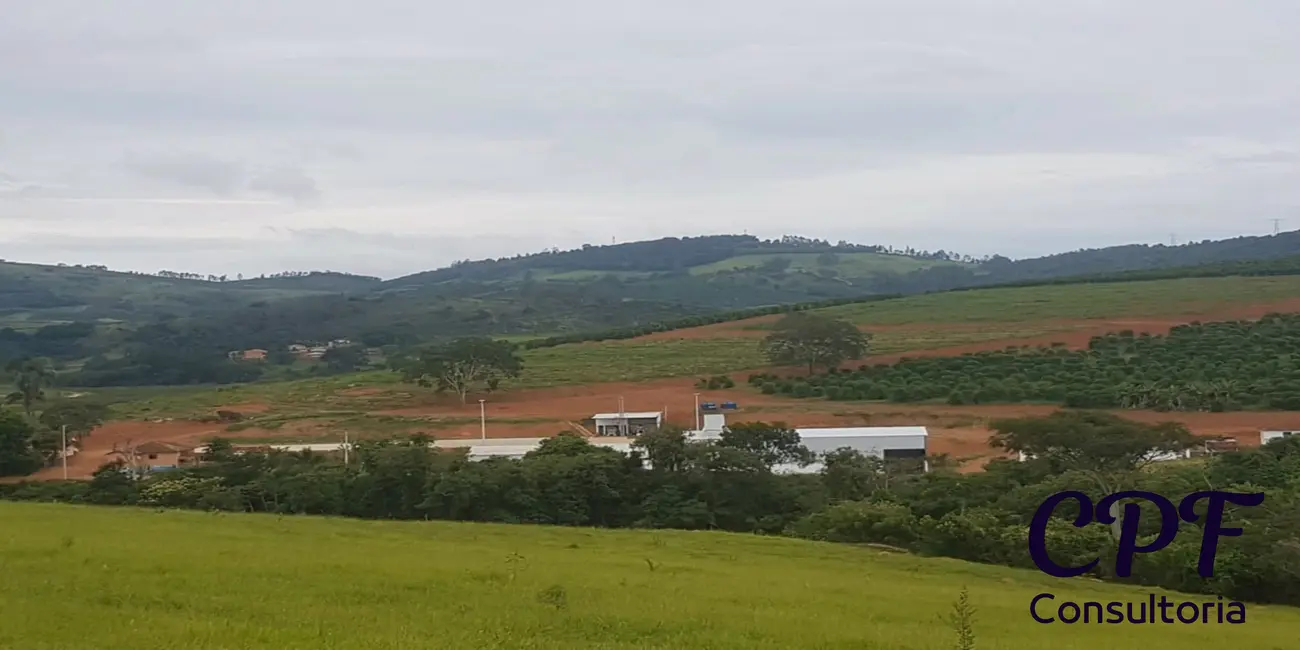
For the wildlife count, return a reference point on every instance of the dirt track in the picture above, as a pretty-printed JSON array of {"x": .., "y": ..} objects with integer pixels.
[{"x": 959, "y": 431}]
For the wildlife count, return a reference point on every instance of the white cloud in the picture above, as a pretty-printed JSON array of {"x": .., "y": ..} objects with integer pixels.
[{"x": 441, "y": 130}]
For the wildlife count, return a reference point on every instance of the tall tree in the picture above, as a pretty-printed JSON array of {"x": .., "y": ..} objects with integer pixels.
[
  {"x": 79, "y": 418},
  {"x": 665, "y": 448},
  {"x": 17, "y": 457},
  {"x": 813, "y": 340},
  {"x": 465, "y": 364},
  {"x": 31, "y": 378}
]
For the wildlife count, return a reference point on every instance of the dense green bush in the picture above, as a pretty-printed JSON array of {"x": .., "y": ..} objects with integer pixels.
[
  {"x": 1221, "y": 366},
  {"x": 716, "y": 382}
]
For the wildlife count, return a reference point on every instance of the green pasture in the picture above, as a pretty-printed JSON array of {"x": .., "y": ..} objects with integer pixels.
[
  {"x": 1151, "y": 299},
  {"x": 87, "y": 578}
]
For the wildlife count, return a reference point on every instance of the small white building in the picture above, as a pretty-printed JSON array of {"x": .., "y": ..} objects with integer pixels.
[
  {"x": 1266, "y": 437},
  {"x": 626, "y": 424}
]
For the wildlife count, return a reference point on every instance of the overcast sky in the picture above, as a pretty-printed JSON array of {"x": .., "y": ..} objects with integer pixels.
[{"x": 386, "y": 137}]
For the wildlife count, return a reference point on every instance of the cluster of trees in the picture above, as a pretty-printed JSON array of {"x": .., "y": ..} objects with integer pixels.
[
  {"x": 1220, "y": 366},
  {"x": 32, "y": 434},
  {"x": 729, "y": 484},
  {"x": 239, "y": 277},
  {"x": 65, "y": 341}
]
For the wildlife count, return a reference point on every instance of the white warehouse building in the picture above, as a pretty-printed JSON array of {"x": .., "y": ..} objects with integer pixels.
[
  {"x": 881, "y": 442},
  {"x": 886, "y": 443}
]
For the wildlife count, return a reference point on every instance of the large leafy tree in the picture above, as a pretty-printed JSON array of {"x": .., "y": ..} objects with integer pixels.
[
  {"x": 17, "y": 457},
  {"x": 464, "y": 365},
  {"x": 813, "y": 340},
  {"x": 31, "y": 378},
  {"x": 79, "y": 418},
  {"x": 773, "y": 443}
]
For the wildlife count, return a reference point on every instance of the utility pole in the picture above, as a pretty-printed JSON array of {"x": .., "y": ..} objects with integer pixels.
[
  {"x": 482, "y": 420},
  {"x": 65, "y": 452},
  {"x": 346, "y": 447},
  {"x": 1277, "y": 226},
  {"x": 622, "y": 417},
  {"x": 1173, "y": 239},
  {"x": 697, "y": 411}
]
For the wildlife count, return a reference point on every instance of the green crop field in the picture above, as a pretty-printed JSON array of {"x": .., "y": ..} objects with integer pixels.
[
  {"x": 78, "y": 577},
  {"x": 1154, "y": 298}
]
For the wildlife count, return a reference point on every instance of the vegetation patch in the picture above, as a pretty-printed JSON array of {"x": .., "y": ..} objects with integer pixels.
[
  {"x": 1220, "y": 366},
  {"x": 610, "y": 361},
  {"x": 74, "y": 573}
]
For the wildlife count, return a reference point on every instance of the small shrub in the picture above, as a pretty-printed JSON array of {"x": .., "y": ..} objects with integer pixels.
[{"x": 554, "y": 596}]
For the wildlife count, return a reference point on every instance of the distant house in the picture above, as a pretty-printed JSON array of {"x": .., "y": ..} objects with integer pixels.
[
  {"x": 298, "y": 348},
  {"x": 316, "y": 352},
  {"x": 248, "y": 355},
  {"x": 154, "y": 457}
]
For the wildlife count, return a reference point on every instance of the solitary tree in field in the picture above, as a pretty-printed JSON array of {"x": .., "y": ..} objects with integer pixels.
[
  {"x": 465, "y": 364},
  {"x": 814, "y": 341}
]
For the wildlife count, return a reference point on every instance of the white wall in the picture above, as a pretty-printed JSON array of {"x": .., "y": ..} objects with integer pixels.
[{"x": 1266, "y": 437}]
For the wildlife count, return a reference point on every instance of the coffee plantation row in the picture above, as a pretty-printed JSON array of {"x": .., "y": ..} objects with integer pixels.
[{"x": 1219, "y": 366}]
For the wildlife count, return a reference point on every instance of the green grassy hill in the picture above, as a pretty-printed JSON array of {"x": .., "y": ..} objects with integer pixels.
[{"x": 81, "y": 577}]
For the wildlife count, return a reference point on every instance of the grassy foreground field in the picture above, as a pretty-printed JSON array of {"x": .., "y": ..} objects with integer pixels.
[{"x": 82, "y": 577}]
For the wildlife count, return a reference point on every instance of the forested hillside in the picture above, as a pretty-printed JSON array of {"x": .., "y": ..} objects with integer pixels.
[{"x": 137, "y": 328}]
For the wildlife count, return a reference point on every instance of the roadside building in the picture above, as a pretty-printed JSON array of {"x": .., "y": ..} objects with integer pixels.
[{"x": 626, "y": 424}]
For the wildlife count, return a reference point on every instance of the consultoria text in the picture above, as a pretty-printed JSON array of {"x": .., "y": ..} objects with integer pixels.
[{"x": 1045, "y": 608}]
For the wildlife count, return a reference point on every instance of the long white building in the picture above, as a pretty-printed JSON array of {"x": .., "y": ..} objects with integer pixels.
[
  {"x": 886, "y": 443},
  {"x": 880, "y": 442},
  {"x": 478, "y": 448}
]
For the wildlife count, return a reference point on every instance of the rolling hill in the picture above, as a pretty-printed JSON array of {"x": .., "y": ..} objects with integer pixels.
[
  {"x": 111, "y": 578},
  {"x": 35, "y": 294},
  {"x": 564, "y": 294}
]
